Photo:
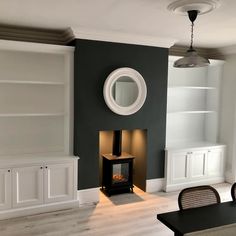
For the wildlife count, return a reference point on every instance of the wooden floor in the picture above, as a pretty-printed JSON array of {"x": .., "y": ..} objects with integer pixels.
[{"x": 123, "y": 215}]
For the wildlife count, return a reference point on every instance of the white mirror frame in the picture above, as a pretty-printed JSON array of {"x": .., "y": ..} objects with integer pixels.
[{"x": 110, "y": 81}]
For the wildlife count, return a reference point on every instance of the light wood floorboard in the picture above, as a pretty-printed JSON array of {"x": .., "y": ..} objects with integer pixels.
[{"x": 119, "y": 215}]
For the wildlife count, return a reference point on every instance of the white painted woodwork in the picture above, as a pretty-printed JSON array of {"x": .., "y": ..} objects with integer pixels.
[
  {"x": 58, "y": 180},
  {"x": 215, "y": 159},
  {"x": 228, "y": 114},
  {"x": 36, "y": 128},
  {"x": 27, "y": 186},
  {"x": 193, "y": 166},
  {"x": 37, "y": 183},
  {"x": 154, "y": 185},
  {"x": 5, "y": 189},
  {"x": 35, "y": 98},
  {"x": 179, "y": 167},
  {"x": 193, "y": 103},
  {"x": 198, "y": 164}
]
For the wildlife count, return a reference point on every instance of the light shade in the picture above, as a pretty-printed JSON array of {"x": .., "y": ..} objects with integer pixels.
[{"x": 191, "y": 59}]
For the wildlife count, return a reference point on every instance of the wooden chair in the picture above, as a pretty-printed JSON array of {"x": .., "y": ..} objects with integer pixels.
[
  {"x": 197, "y": 197},
  {"x": 233, "y": 191}
]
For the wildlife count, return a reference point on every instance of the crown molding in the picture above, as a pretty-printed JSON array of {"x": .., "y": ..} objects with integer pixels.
[
  {"x": 36, "y": 35},
  {"x": 11, "y": 45},
  {"x": 229, "y": 50},
  {"x": 66, "y": 36},
  {"x": 211, "y": 53},
  {"x": 122, "y": 37}
]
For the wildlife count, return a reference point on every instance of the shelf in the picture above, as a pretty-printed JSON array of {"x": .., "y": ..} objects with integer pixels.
[
  {"x": 30, "y": 114},
  {"x": 30, "y": 82},
  {"x": 187, "y": 145},
  {"x": 191, "y": 87},
  {"x": 190, "y": 112}
]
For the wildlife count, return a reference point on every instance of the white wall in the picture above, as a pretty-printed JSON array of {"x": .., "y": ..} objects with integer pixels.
[{"x": 227, "y": 133}]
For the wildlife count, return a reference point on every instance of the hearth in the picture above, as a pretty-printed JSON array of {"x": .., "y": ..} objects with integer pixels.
[{"x": 117, "y": 173}]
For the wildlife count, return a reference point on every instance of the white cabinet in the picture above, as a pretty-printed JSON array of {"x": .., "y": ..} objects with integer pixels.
[
  {"x": 27, "y": 186},
  {"x": 57, "y": 182},
  {"x": 198, "y": 164},
  {"x": 215, "y": 162},
  {"x": 179, "y": 167},
  {"x": 35, "y": 184},
  {"x": 36, "y": 110},
  {"x": 5, "y": 189},
  {"x": 193, "y": 166},
  {"x": 193, "y": 155}
]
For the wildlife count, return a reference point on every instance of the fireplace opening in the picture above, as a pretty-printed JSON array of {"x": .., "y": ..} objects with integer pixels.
[{"x": 122, "y": 160}]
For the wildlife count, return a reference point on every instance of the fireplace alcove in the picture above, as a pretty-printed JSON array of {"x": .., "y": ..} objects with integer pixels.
[{"x": 134, "y": 142}]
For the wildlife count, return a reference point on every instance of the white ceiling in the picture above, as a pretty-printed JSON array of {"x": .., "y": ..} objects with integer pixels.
[{"x": 140, "y": 17}]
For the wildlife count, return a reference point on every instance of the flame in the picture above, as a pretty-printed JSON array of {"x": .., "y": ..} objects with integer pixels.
[{"x": 119, "y": 178}]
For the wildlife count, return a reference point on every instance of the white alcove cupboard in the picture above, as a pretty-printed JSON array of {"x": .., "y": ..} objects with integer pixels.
[
  {"x": 37, "y": 170},
  {"x": 193, "y": 155}
]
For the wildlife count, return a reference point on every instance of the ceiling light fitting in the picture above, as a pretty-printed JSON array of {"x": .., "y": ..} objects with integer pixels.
[{"x": 193, "y": 9}]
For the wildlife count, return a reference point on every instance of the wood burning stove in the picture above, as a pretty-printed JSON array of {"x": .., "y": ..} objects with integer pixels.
[{"x": 117, "y": 173}]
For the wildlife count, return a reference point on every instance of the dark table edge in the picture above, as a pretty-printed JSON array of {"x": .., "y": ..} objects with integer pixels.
[{"x": 169, "y": 225}]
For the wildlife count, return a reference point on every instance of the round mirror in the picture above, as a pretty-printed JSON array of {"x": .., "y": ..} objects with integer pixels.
[{"x": 125, "y": 91}]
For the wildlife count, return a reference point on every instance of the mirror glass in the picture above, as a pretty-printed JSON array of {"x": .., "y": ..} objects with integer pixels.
[{"x": 125, "y": 91}]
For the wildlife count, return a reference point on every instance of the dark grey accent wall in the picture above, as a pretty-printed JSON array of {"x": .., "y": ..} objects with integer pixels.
[{"x": 94, "y": 61}]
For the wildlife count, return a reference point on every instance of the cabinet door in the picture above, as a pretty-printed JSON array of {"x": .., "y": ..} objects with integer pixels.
[
  {"x": 5, "y": 189},
  {"x": 58, "y": 182},
  {"x": 198, "y": 164},
  {"x": 215, "y": 162},
  {"x": 179, "y": 167},
  {"x": 27, "y": 186}
]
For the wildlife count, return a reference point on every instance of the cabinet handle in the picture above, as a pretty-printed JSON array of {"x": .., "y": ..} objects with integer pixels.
[
  {"x": 41, "y": 167},
  {"x": 46, "y": 167},
  {"x": 9, "y": 170}
]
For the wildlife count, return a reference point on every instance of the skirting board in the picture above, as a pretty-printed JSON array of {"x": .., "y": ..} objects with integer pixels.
[
  {"x": 88, "y": 196},
  {"x": 17, "y": 212},
  {"x": 154, "y": 185},
  {"x": 179, "y": 186},
  {"x": 229, "y": 177}
]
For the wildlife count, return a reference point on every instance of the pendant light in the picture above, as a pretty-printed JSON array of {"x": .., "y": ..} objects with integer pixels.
[{"x": 191, "y": 59}]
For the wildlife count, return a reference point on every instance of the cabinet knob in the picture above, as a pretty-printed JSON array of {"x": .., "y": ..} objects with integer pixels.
[
  {"x": 9, "y": 170},
  {"x": 41, "y": 167},
  {"x": 46, "y": 167}
]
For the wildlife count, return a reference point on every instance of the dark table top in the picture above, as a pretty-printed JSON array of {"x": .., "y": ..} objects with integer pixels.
[{"x": 196, "y": 219}]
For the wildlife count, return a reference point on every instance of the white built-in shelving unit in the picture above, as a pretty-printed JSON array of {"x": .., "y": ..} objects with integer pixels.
[
  {"x": 37, "y": 169},
  {"x": 35, "y": 98},
  {"x": 193, "y": 104},
  {"x": 193, "y": 154}
]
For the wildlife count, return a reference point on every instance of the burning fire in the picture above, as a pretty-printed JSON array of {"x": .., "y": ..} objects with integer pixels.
[{"x": 119, "y": 178}]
